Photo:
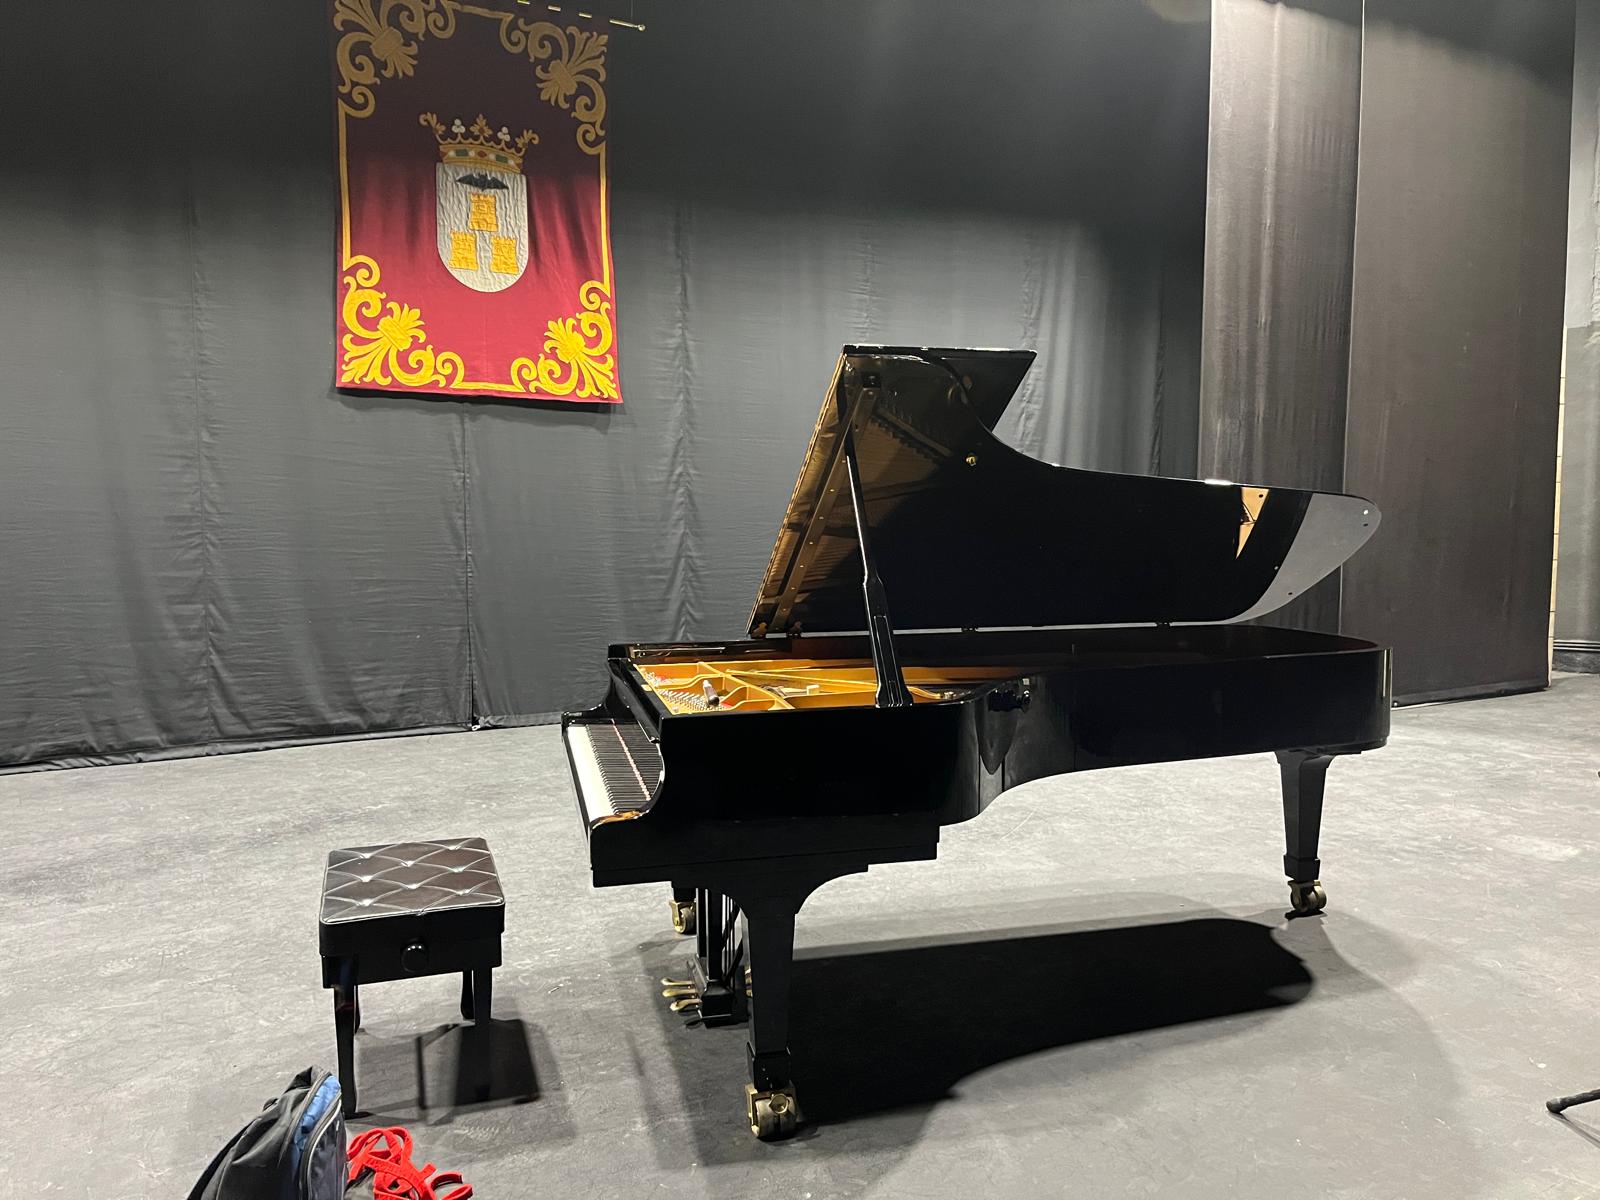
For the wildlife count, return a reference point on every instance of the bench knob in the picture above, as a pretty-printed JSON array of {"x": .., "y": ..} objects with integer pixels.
[{"x": 414, "y": 958}]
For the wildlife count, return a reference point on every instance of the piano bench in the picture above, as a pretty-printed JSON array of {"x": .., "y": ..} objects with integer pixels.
[{"x": 406, "y": 910}]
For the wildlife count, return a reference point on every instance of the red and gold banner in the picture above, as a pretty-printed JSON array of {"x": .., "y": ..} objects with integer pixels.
[{"x": 474, "y": 235}]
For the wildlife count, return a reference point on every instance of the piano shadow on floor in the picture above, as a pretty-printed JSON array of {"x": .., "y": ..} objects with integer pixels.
[
  {"x": 898, "y": 1026},
  {"x": 903, "y": 1026}
]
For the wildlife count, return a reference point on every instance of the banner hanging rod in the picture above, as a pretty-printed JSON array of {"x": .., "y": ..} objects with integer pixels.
[{"x": 588, "y": 16}]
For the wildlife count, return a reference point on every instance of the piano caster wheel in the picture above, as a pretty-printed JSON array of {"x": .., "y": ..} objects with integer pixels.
[
  {"x": 682, "y": 915},
  {"x": 772, "y": 1114},
  {"x": 1306, "y": 896}
]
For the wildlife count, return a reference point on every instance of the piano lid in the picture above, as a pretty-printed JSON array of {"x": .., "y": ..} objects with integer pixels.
[{"x": 967, "y": 532}]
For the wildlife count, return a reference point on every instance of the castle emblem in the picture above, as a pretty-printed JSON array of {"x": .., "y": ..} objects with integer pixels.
[{"x": 481, "y": 206}]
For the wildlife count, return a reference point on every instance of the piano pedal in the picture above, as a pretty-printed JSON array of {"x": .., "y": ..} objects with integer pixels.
[
  {"x": 680, "y": 989},
  {"x": 682, "y": 915},
  {"x": 771, "y": 1114},
  {"x": 686, "y": 1004},
  {"x": 1306, "y": 897}
]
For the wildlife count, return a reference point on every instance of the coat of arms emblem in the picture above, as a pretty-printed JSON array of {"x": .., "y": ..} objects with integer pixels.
[{"x": 481, "y": 206}]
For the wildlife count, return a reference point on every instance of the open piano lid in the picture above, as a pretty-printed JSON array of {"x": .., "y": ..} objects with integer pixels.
[{"x": 968, "y": 533}]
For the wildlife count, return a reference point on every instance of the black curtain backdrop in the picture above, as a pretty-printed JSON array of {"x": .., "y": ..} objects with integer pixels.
[
  {"x": 1455, "y": 337},
  {"x": 1382, "y": 294},
  {"x": 203, "y": 544},
  {"x": 1577, "y": 624}
]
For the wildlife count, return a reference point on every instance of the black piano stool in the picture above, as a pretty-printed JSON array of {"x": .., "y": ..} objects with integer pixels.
[{"x": 410, "y": 909}]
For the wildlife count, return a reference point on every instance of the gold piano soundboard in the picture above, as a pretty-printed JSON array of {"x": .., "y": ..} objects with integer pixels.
[{"x": 760, "y": 685}]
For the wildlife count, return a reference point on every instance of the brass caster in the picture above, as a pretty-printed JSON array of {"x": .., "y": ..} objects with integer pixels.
[
  {"x": 1306, "y": 896},
  {"x": 682, "y": 915},
  {"x": 771, "y": 1114}
]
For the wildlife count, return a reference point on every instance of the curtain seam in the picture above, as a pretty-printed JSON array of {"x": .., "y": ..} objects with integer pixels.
[
  {"x": 202, "y": 476},
  {"x": 1159, "y": 405},
  {"x": 684, "y": 571}
]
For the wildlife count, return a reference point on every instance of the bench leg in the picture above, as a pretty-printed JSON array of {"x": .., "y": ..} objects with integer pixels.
[
  {"x": 466, "y": 995},
  {"x": 346, "y": 1016},
  {"x": 482, "y": 1028}
]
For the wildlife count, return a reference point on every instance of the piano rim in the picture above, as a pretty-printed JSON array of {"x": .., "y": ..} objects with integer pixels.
[{"x": 916, "y": 647}]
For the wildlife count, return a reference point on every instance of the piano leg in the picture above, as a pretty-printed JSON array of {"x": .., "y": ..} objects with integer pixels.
[
  {"x": 770, "y": 1103},
  {"x": 683, "y": 908},
  {"x": 769, "y": 895},
  {"x": 1304, "y": 773}
]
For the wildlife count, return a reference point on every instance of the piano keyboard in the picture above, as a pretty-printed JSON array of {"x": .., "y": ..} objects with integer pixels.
[{"x": 618, "y": 768}]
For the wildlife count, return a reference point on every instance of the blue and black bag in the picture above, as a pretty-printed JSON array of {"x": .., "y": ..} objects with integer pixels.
[{"x": 295, "y": 1150}]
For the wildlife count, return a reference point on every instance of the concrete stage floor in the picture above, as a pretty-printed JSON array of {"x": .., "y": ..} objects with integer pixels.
[{"x": 1093, "y": 992}]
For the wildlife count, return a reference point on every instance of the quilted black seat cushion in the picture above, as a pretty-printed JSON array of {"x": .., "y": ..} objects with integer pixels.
[{"x": 436, "y": 891}]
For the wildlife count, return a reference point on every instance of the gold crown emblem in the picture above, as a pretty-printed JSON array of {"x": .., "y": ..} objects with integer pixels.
[{"x": 479, "y": 145}]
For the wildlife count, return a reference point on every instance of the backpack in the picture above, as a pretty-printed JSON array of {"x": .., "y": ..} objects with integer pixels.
[{"x": 295, "y": 1150}]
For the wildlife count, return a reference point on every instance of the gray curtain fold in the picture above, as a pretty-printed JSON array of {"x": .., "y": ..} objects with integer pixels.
[
  {"x": 202, "y": 543},
  {"x": 1280, "y": 244},
  {"x": 1577, "y": 620},
  {"x": 1455, "y": 344}
]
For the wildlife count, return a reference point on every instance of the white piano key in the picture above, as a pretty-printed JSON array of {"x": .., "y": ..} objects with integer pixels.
[{"x": 592, "y": 795}]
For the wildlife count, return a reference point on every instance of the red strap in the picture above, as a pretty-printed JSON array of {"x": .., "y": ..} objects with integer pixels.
[{"x": 387, "y": 1154}]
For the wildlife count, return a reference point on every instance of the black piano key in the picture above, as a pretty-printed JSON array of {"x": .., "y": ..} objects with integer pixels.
[{"x": 629, "y": 764}]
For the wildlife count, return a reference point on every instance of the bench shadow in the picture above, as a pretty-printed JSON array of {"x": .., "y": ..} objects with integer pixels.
[{"x": 428, "y": 1076}]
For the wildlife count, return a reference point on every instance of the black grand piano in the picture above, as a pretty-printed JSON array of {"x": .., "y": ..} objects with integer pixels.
[{"x": 944, "y": 618}]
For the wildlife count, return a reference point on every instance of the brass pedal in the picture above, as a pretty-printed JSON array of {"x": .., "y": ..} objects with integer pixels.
[
  {"x": 687, "y": 1004},
  {"x": 675, "y": 983},
  {"x": 682, "y": 992}
]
